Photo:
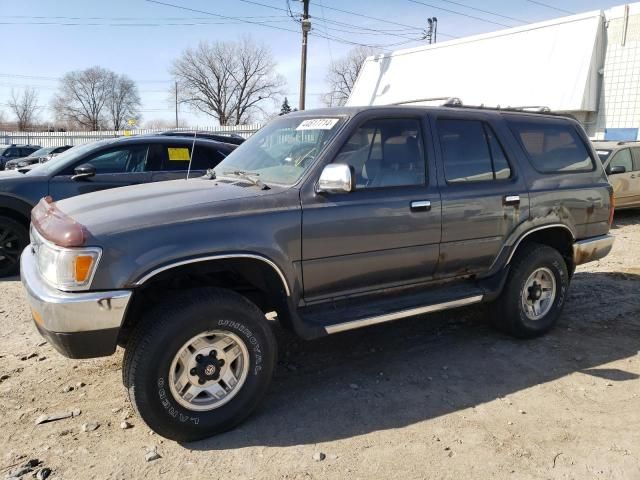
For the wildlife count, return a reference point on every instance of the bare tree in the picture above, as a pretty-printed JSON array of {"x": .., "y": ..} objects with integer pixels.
[
  {"x": 343, "y": 73},
  {"x": 24, "y": 107},
  {"x": 96, "y": 97},
  {"x": 124, "y": 101},
  {"x": 230, "y": 81}
]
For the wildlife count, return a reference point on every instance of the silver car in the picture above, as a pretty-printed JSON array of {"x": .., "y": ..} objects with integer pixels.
[{"x": 621, "y": 161}]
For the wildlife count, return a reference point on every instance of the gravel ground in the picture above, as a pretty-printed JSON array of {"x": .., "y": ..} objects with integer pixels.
[{"x": 442, "y": 396}]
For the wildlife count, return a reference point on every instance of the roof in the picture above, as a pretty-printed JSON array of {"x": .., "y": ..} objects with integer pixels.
[
  {"x": 608, "y": 144},
  {"x": 553, "y": 64}
]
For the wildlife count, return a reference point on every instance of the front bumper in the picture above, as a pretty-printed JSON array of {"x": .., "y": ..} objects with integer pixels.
[
  {"x": 77, "y": 324},
  {"x": 592, "y": 249}
]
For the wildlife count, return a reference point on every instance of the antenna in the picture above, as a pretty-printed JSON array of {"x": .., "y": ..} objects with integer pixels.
[{"x": 193, "y": 150}]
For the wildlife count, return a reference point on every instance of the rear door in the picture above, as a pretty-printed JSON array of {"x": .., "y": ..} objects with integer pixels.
[
  {"x": 115, "y": 167},
  {"x": 173, "y": 160},
  {"x": 484, "y": 196},
  {"x": 623, "y": 183}
]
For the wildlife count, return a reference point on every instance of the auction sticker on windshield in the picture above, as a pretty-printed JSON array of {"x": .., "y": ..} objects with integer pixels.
[{"x": 318, "y": 124}]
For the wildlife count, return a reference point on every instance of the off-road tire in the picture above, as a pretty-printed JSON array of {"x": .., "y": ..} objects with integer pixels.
[
  {"x": 509, "y": 314},
  {"x": 162, "y": 333},
  {"x": 9, "y": 228}
]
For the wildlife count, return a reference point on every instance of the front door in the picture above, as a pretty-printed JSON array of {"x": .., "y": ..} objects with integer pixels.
[
  {"x": 483, "y": 195},
  {"x": 386, "y": 232},
  {"x": 626, "y": 186},
  {"x": 115, "y": 167}
]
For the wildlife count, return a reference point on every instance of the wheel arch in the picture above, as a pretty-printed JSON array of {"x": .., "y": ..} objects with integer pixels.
[
  {"x": 254, "y": 276},
  {"x": 16, "y": 209},
  {"x": 557, "y": 236}
]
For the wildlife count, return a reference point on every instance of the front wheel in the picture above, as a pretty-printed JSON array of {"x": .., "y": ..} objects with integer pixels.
[
  {"x": 14, "y": 237},
  {"x": 535, "y": 292},
  {"x": 199, "y": 364}
]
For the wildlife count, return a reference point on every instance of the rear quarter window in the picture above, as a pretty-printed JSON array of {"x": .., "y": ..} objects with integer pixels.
[{"x": 552, "y": 146}]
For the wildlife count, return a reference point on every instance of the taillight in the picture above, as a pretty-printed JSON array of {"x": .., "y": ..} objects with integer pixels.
[{"x": 612, "y": 206}]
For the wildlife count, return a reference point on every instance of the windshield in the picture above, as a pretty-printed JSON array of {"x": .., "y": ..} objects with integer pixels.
[
  {"x": 42, "y": 152},
  {"x": 69, "y": 156},
  {"x": 2, "y": 150},
  {"x": 282, "y": 151},
  {"x": 603, "y": 155}
]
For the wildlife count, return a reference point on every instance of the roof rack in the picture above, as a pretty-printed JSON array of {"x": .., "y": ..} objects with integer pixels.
[
  {"x": 448, "y": 101},
  {"x": 537, "y": 109},
  {"x": 624, "y": 142},
  {"x": 231, "y": 138}
]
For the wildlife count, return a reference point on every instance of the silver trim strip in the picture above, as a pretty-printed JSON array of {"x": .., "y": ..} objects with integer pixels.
[
  {"x": 341, "y": 327},
  {"x": 528, "y": 232},
  {"x": 511, "y": 198},
  {"x": 272, "y": 264}
]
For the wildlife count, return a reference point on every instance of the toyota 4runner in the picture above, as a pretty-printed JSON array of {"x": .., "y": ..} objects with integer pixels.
[{"x": 335, "y": 219}]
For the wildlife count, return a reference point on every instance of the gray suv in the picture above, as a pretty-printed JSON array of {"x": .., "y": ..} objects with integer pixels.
[{"x": 334, "y": 219}]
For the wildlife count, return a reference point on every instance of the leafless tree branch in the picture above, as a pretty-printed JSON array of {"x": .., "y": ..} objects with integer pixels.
[
  {"x": 25, "y": 107},
  {"x": 229, "y": 81},
  {"x": 342, "y": 75}
]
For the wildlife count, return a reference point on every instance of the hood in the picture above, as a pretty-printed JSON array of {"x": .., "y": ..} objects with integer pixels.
[{"x": 163, "y": 203}]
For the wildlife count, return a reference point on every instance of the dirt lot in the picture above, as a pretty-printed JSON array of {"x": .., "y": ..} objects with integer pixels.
[{"x": 442, "y": 396}]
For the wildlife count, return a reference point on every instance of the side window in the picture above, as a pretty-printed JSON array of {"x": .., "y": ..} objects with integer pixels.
[
  {"x": 471, "y": 152},
  {"x": 552, "y": 146},
  {"x": 622, "y": 159},
  {"x": 205, "y": 157},
  {"x": 386, "y": 153},
  {"x": 128, "y": 159},
  {"x": 176, "y": 156},
  {"x": 636, "y": 158}
]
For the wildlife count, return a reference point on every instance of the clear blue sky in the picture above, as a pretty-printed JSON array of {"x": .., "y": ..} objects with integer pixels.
[{"x": 43, "y": 39}]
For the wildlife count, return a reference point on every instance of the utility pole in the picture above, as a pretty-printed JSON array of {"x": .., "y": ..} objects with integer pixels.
[
  {"x": 432, "y": 30},
  {"x": 306, "y": 27},
  {"x": 176, "y": 92}
]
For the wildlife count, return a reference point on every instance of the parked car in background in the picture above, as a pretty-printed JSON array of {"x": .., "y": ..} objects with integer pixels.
[
  {"x": 39, "y": 156},
  {"x": 91, "y": 167},
  {"x": 336, "y": 219},
  {"x": 621, "y": 161},
  {"x": 11, "y": 152}
]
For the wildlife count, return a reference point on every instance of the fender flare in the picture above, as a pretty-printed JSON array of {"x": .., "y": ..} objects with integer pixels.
[{"x": 180, "y": 263}]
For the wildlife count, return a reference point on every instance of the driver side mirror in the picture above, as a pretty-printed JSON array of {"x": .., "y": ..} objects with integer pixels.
[
  {"x": 336, "y": 178},
  {"x": 83, "y": 171},
  {"x": 617, "y": 169}
]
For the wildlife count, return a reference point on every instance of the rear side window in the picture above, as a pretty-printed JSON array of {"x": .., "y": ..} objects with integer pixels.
[
  {"x": 175, "y": 157},
  {"x": 552, "y": 146},
  {"x": 471, "y": 152},
  {"x": 636, "y": 158}
]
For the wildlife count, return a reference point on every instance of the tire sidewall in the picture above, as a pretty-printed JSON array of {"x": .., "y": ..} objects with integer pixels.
[
  {"x": 163, "y": 412},
  {"x": 556, "y": 264},
  {"x": 23, "y": 235}
]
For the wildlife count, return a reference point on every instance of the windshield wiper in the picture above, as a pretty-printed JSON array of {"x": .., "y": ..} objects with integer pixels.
[{"x": 249, "y": 176}]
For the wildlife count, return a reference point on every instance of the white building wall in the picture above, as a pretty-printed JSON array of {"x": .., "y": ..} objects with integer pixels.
[{"x": 620, "y": 96}]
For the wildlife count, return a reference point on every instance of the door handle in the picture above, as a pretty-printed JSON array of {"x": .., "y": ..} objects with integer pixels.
[
  {"x": 420, "y": 206},
  {"x": 511, "y": 200}
]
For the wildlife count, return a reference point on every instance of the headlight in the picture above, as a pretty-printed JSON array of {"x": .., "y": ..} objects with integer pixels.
[{"x": 67, "y": 268}]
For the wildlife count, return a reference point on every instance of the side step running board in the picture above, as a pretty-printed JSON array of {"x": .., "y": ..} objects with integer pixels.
[{"x": 389, "y": 317}]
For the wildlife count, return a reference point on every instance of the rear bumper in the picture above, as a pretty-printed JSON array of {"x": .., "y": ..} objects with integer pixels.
[
  {"x": 77, "y": 324},
  {"x": 591, "y": 249}
]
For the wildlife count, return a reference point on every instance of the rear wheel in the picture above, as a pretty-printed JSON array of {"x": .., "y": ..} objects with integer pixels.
[
  {"x": 14, "y": 237},
  {"x": 535, "y": 292},
  {"x": 199, "y": 364}
]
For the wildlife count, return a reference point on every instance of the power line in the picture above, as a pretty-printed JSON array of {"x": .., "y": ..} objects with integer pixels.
[
  {"x": 458, "y": 13},
  {"x": 485, "y": 11},
  {"x": 552, "y": 7}
]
